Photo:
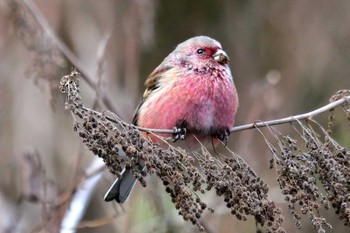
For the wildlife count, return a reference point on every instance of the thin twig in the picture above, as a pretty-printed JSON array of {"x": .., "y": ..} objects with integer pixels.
[
  {"x": 91, "y": 81},
  {"x": 303, "y": 116},
  {"x": 81, "y": 197}
]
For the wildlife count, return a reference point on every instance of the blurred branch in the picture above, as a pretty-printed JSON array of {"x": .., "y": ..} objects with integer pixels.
[
  {"x": 88, "y": 77},
  {"x": 81, "y": 198}
]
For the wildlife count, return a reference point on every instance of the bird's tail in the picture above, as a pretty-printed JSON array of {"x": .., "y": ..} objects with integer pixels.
[{"x": 121, "y": 188}]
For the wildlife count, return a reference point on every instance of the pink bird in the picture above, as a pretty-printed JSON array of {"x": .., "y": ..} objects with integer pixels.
[{"x": 191, "y": 91}]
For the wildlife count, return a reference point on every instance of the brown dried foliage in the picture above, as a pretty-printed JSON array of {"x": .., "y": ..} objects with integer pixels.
[
  {"x": 316, "y": 174},
  {"x": 46, "y": 60},
  {"x": 184, "y": 174},
  {"x": 310, "y": 178}
]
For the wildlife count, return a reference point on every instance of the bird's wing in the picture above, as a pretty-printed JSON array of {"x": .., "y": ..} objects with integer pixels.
[{"x": 151, "y": 84}]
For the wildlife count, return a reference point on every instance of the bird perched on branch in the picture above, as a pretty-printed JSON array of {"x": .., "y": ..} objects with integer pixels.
[{"x": 191, "y": 91}]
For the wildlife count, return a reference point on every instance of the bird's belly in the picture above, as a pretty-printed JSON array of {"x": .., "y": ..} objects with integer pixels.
[{"x": 207, "y": 115}]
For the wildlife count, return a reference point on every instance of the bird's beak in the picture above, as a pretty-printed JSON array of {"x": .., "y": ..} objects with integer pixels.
[{"x": 221, "y": 57}]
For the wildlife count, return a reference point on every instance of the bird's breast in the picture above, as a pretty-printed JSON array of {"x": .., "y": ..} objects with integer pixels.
[{"x": 205, "y": 102}]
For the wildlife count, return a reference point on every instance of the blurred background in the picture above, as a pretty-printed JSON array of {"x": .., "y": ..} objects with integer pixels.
[{"x": 287, "y": 57}]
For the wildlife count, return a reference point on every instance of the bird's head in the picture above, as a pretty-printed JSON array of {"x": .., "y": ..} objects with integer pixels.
[{"x": 201, "y": 51}]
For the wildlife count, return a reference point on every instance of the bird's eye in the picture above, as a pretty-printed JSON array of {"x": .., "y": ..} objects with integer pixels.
[{"x": 200, "y": 51}]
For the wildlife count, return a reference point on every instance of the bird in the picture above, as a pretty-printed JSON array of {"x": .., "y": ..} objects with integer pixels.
[{"x": 192, "y": 91}]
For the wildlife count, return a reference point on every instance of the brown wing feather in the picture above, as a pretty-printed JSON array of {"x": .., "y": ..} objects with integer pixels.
[{"x": 151, "y": 84}]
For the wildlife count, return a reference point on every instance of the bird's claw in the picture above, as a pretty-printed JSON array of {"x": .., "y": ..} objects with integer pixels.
[
  {"x": 179, "y": 133},
  {"x": 180, "y": 130},
  {"x": 223, "y": 135}
]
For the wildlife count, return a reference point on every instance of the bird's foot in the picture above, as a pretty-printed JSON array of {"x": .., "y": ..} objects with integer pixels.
[
  {"x": 223, "y": 135},
  {"x": 180, "y": 131}
]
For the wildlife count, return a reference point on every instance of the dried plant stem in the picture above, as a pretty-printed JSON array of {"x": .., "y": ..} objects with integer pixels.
[
  {"x": 80, "y": 199},
  {"x": 87, "y": 76},
  {"x": 303, "y": 116}
]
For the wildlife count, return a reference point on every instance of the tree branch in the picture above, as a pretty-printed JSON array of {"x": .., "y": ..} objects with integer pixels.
[
  {"x": 91, "y": 81},
  {"x": 290, "y": 119}
]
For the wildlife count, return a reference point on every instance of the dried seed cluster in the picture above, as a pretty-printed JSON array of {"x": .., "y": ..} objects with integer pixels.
[
  {"x": 243, "y": 191},
  {"x": 184, "y": 175},
  {"x": 346, "y": 105},
  {"x": 301, "y": 173},
  {"x": 121, "y": 145},
  {"x": 69, "y": 84}
]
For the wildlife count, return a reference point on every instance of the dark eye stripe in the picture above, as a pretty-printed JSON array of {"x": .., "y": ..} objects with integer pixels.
[{"x": 200, "y": 51}]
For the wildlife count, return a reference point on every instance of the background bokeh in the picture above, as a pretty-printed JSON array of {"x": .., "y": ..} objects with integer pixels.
[{"x": 287, "y": 57}]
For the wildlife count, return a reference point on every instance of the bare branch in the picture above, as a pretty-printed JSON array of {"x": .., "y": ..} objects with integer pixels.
[
  {"x": 290, "y": 119},
  {"x": 81, "y": 197},
  {"x": 88, "y": 77}
]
